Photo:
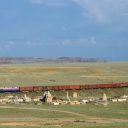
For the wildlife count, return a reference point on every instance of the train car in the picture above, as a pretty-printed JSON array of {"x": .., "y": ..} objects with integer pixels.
[
  {"x": 66, "y": 87},
  {"x": 124, "y": 85},
  {"x": 50, "y": 87},
  {"x": 120, "y": 85},
  {"x": 38, "y": 88},
  {"x": 75, "y": 87},
  {"x": 84, "y": 86},
  {"x": 9, "y": 89},
  {"x": 61, "y": 87},
  {"x": 69, "y": 87},
  {"x": 26, "y": 88}
]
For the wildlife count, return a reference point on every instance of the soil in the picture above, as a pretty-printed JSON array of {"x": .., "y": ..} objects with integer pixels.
[{"x": 30, "y": 121}]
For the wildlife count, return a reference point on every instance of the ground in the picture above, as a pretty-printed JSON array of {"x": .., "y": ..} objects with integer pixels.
[
  {"x": 62, "y": 73},
  {"x": 85, "y": 116},
  {"x": 115, "y": 115}
]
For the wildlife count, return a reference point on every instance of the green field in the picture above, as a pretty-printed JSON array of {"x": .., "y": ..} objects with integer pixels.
[
  {"x": 47, "y": 116},
  {"x": 62, "y": 73}
]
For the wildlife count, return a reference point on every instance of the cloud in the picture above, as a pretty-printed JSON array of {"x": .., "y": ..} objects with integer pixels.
[
  {"x": 103, "y": 11},
  {"x": 64, "y": 28},
  {"x": 6, "y": 45},
  {"x": 89, "y": 41},
  {"x": 37, "y": 1},
  {"x": 53, "y": 3},
  {"x": 32, "y": 44},
  {"x": 100, "y": 11}
]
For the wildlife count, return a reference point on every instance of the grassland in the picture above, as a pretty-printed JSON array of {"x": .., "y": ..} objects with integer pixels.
[
  {"x": 62, "y": 73},
  {"x": 48, "y": 116},
  {"x": 115, "y": 115}
]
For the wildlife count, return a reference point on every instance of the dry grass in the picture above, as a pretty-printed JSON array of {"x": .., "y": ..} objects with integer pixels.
[{"x": 63, "y": 73}]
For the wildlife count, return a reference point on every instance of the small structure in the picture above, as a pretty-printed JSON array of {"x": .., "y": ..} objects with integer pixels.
[
  {"x": 114, "y": 100},
  {"x": 47, "y": 97},
  {"x": 68, "y": 97},
  {"x": 75, "y": 95},
  {"x": 124, "y": 96},
  {"x": 105, "y": 98},
  {"x": 26, "y": 99},
  {"x": 17, "y": 100},
  {"x": 85, "y": 101},
  {"x": 74, "y": 103},
  {"x": 122, "y": 100}
]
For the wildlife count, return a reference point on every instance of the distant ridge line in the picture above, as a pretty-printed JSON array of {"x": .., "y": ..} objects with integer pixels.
[{"x": 23, "y": 60}]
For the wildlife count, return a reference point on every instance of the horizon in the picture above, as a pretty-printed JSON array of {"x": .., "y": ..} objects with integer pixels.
[
  {"x": 107, "y": 59},
  {"x": 71, "y": 28}
]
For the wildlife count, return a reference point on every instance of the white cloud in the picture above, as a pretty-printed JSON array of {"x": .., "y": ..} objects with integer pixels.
[
  {"x": 11, "y": 45},
  {"x": 6, "y": 45},
  {"x": 64, "y": 29},
  {"x": 54, "y": 3},
  {"x": 37, "y": 1},
  {"x": 100, "y": 11},
  {"x": 89, "y": 41},
  {"x": 103, "y": 11},
  {"x": 33, "y": 44}
]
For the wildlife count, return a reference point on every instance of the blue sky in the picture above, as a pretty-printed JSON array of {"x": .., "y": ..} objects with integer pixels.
[{"x": 54, "y": 28}]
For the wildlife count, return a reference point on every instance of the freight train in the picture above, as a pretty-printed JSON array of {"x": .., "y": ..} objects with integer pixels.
[{"x": 62, "y": 87}]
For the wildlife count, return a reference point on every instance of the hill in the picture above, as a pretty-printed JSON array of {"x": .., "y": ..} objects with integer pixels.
[{"x": 30, "y": 60}]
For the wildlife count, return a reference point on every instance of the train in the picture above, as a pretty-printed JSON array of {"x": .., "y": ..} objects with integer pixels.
[{"x": 62, "y": 87}]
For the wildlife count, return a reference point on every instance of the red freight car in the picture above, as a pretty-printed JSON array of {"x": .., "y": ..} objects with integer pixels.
[
  {"x": 76, "y": 87},
  {"x": 53, "y": 87},
  {"x": 124, "y": 85},
  {"x": 26, "y": 88},
  {"x": 60, "y": 87},
  {"x": 84, "y": 86},
  {"x": 44, "y": 88},
  {"x": 99, "y": 86},
  {"x": 37, "y": 88},
  {"x": 70, "y": 87},
  {"x": 66, "y": 87}
]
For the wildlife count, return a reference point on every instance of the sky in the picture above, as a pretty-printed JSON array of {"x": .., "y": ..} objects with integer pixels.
[{"x": 56, "y": 28}]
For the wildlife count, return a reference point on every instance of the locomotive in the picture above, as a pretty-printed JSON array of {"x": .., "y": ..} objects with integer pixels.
[{"x": 9, "y": 89}]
